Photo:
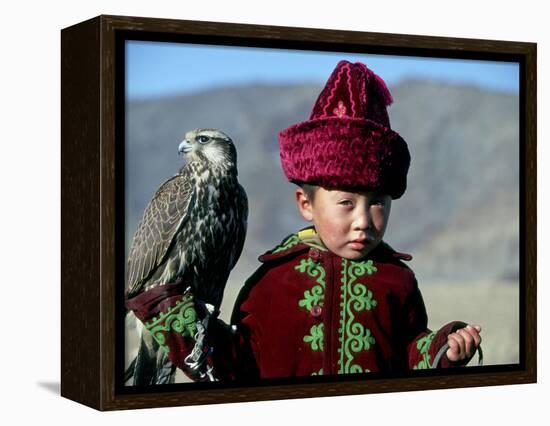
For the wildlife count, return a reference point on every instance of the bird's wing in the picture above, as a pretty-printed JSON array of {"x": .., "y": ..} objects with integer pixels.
[
  {"x": 241, "y": 230},
  {"x": 162, "y": 219}
]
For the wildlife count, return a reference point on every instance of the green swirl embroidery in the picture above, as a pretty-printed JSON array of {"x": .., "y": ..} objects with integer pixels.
[
  {"x": 316, "y": 295},
  {"x": 180, "y": 318},
  {"x": 315, "y": 338},
  {"x": 362, "y": 298},
  {"x": 355, "y": 297},
  {"x": 423, "y": 345},
  {"x": 312, "y": 297},
  {"x": 358, "y": 369},
  {"x": 288, "y": 243}
]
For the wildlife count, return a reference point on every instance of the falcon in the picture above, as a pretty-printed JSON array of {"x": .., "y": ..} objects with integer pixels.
[{"x": 193, "y": 230}]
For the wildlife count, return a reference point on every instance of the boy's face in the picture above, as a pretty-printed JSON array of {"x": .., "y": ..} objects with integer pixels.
[{"x": 350, "y": 224}]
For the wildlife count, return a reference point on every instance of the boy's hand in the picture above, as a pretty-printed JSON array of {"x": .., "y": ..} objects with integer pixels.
[{"x": 463, "y": 344}]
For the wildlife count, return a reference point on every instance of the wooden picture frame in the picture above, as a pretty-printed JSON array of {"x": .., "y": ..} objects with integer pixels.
[{"x": 92, "y": 202}]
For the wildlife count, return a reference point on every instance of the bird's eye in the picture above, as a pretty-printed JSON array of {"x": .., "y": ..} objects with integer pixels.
[{"x": 203, "y": 139}]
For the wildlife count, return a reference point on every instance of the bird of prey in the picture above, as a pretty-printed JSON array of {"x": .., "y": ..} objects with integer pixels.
[{"x": 193, "y": 230}]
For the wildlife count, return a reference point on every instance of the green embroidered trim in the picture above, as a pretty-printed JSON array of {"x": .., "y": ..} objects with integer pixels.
[
  {"x": 318, "y": 373},
  {"x": 316, "y": 295},
  {"x": 354, "y": 337},
  {"x": 315, "y": 338},
  {"x": 288, "y": 243},
  {"x": 180, "y": 318},
  {"x": 359, "y": 268},
  {"x": 355, "y": 297},
  {"x": 312, "y": 297},
  {"x": 423, "y": 345}
]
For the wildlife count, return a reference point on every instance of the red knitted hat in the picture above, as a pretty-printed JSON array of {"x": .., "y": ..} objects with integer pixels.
[{"x": 347, "y": 141}]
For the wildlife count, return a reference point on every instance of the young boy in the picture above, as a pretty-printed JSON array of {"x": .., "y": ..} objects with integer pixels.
[{"x": 332, "y": 298}]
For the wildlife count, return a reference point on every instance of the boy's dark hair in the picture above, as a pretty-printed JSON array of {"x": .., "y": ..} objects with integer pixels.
[{"x": 309, "y": 190}]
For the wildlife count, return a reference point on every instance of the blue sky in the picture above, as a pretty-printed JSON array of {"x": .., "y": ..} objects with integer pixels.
[{"x": 156, "y": 69}]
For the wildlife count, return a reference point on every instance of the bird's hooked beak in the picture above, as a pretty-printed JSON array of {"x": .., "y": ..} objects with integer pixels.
[{"x": 184, "y": 147}]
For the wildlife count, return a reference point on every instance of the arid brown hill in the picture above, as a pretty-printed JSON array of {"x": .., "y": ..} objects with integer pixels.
[{"x": 459, "y": 216}]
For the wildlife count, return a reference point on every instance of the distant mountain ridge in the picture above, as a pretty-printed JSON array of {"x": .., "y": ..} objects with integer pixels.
[{"x": 459, "y": 217}]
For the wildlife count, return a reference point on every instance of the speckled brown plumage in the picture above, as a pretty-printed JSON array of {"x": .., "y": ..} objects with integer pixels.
[{"x": 193, "y": 230}]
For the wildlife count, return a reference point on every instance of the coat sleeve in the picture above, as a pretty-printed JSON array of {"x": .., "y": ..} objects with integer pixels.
[
  {"x": 170, "y": 315},
  {"x": 232, "y": 356},
  {"x": 422, "y": 343},
  {"x": 237, "y": 347}
]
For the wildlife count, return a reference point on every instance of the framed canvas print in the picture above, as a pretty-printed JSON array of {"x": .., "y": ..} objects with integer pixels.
[{"x": 257, "y": 212}]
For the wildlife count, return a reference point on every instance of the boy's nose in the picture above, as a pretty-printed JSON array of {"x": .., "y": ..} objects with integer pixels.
[{"x": 362, "y": 220}]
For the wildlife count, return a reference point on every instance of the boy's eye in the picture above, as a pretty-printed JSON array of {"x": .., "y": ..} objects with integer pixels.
[
  {"x": 378, "y": 202},
  {"x": 346, "y": 203}
]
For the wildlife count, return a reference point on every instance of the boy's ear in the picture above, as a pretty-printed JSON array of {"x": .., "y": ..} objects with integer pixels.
[{"x": 304, "y": 205}]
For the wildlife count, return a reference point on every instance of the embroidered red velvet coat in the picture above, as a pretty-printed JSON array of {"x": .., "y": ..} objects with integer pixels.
[{"x": 307, "y": 311}]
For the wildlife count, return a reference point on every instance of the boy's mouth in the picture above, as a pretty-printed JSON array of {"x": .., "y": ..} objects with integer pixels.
[
  {"x": 361, "y": 243},
  {"x": 358, "y": 243}
]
